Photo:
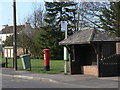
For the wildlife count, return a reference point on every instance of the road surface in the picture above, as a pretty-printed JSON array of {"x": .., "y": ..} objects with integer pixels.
[{"x": 12, "y": 82}]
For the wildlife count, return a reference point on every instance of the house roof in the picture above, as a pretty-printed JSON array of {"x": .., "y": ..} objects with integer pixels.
[
  {"x": 87, "y": 36},
  {"x": 9, "y": 29}
]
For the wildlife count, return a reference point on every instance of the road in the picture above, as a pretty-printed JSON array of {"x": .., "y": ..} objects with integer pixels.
[{"x": 12, "y": 82}]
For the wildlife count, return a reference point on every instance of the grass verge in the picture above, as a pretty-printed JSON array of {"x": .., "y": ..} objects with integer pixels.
[{"x": 37, "y": 66}]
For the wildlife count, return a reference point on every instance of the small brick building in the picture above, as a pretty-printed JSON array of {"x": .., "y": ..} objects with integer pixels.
[{"x": 93, "y": 52}]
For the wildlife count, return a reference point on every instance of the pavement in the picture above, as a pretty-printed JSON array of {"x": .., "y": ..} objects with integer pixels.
[{"x": 55, "y": 78}]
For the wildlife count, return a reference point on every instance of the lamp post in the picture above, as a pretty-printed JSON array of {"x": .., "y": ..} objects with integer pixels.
[{"x": 14, "y": 36}]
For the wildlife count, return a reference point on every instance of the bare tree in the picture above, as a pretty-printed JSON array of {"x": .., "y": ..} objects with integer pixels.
[
  {"x": 36, "y": 19},
  {"x": 89, "y": 13}
]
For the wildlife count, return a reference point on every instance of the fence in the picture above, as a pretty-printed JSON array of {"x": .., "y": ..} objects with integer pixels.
[{"x": 110, "y": 66}]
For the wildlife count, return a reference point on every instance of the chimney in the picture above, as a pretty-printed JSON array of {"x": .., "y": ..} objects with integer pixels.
[
  {"x": 4, "y": 26},
  {"x": 27, "y": 24}
]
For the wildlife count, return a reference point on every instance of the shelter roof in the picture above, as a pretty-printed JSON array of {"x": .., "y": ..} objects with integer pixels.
[{"x": 88, "y": 35}]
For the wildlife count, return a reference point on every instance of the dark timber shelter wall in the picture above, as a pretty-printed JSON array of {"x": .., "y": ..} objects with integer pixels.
[
  {"x": 83, "y": 55},
  {"x": 89, "y": 51}
]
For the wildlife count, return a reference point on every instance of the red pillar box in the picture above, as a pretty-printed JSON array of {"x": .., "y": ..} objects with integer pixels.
[{"x": 47, "y": 59}]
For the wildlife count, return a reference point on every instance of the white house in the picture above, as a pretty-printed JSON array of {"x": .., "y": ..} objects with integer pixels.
[
  {"x": 4, "y": 36},
  {"x": 8, "y": 30}
]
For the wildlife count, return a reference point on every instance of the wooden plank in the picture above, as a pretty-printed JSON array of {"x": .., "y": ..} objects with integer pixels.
[{"x": 118, "y": 48}]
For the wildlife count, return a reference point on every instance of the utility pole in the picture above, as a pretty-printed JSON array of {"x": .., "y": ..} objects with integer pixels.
[{"x": 14, "y": 36}]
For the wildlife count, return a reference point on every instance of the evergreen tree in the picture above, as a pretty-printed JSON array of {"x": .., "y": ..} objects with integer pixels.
[
  {"x": 61, "y": 11},
  {"x": 111, "y": 18},
  {"x": 49, "y": 35},
  {"x": 8, "y": 41},
  {"x": 55, "y": 13}
]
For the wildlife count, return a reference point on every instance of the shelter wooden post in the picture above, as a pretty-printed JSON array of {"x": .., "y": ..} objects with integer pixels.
[
  {"x": 98, "y": 58},
  {"x": 97, "y": 51},
  {"x": 69, "y": 56},
  {"x": 70, "y": 61}
]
